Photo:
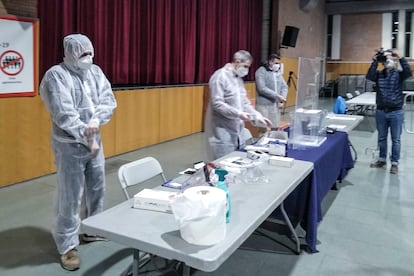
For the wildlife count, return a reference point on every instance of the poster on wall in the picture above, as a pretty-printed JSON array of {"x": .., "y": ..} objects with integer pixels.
[{"x": 18, "y": 56}]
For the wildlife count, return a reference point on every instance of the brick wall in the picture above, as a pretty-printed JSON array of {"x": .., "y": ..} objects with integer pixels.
[
  {"x": 309, "y": 42},
  {"x": 360, "y": 36},
  {"x": 24, "y": 8}
]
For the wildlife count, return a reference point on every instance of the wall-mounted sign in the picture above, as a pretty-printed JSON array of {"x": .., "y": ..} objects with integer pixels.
[{"x": 18, "y": 56}]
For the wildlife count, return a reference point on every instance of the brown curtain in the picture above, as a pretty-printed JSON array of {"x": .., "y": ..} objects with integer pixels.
[{"x": 153, "y": 42}]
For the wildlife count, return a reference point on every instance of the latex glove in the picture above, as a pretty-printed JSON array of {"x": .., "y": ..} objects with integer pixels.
[
  {"x": 265, "y": 121},
  {"x": 245, "y": 116},
  {"x": 91, "y": 129},
  {"x": 93, "y": 146},
  {"x": 280, "y": 98}
]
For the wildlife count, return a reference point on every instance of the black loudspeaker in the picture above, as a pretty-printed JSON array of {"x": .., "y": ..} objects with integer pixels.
[{"x": 290, "y": 36}]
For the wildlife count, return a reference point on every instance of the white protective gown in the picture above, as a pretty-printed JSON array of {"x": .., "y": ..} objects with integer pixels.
[
  {"x": 74, "y": 97},
  {"x": 228, "y": 98},
  {"x": 270, "y": 86}
]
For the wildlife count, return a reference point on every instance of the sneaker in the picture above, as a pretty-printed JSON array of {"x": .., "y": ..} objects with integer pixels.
[
  {"x": 378, "y": 164},
  {"x": 89, "y": 238},
  {"x": 70, "y": 260},
  {"x": 394, "y": 169}
]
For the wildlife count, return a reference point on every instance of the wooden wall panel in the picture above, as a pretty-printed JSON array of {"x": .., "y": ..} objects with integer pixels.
[
  {"x": 177, "y": 111},
  {"x": 143, "y": 117},
  {"x": 108, "y": 136},
  {"x": 197, "y": 104},
  {"x": 251, "y": 90},
  {"x": 25, "y": 144},
  {"x": 137, "y": 119},
  {"x": 334, "y": 69},
  {"x": 251, "y": 94}
]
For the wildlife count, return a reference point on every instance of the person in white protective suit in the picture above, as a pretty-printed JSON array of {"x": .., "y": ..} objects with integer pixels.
[
  {"x": 271, "y": 89},
  {"x": 79, "y": 99},
  {"x": 229, "y": 107}
]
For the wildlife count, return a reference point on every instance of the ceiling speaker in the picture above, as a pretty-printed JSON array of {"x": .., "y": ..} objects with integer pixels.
[{"x": 308, "y": 5}]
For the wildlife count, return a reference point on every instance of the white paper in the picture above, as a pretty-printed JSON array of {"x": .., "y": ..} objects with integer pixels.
[
  {"x": 337, "y": 126},
  {"x": 341, "y": 118},
  {"x": 237, "y": 162}
]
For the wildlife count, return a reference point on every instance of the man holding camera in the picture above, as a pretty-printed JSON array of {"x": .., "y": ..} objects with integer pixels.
[{"x": 389, "y": 100}]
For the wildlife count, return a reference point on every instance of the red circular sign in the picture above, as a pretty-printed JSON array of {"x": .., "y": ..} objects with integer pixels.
[{"x": 11, "y": 63}]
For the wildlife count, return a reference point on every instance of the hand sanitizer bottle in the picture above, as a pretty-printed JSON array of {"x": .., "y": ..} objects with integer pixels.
[{"x": 221, "y": 183}]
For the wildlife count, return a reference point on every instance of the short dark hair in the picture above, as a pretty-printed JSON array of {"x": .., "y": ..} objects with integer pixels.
[{"x": 273, "y": 56}]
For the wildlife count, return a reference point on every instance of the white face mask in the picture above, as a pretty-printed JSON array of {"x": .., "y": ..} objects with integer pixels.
[
  {"x": 242, "y": 71},
  {"x": 276, "y": 67},
  {"x": 85, "y": 62},
  {"x": 389, "y": 64}
]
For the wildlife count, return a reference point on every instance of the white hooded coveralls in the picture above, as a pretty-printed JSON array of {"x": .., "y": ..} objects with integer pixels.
[{"x": 75, "y": 97}]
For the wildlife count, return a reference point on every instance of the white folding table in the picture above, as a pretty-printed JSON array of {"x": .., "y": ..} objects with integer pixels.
[
  {"x": 158, "y": 233},
  {"x": 342, "y": 122},
  {"x": 409, "y": 111},
  {"x": 364, "y": 103}
]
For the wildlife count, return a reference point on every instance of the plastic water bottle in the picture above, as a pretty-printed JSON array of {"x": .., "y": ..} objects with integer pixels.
[{"x": 221, "y": 183}]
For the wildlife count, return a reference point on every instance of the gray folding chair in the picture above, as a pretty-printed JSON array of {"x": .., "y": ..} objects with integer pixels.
[
  {"x": 139, "y": 171},
  {"x": 135, "y": 173}
]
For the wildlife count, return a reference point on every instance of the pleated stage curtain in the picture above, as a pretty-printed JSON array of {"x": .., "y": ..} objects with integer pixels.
[{"x": 154, "y": 42}]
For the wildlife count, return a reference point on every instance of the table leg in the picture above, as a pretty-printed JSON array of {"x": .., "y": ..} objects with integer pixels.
[
  {"x": 282, "y": 208},
  {"x": 186, "y": 270},
  {"x": 135, "y": 263},
  {"x": 353, "y": 149}
]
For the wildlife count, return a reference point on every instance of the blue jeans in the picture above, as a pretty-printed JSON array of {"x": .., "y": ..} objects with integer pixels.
[{"x": 389, "y": 120}]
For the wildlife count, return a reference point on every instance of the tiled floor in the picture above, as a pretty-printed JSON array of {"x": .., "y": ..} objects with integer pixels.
[{"x": 366, "y": 230}]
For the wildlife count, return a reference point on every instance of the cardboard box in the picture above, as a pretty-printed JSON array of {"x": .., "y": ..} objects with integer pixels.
[{"x": 155, "y": 200}]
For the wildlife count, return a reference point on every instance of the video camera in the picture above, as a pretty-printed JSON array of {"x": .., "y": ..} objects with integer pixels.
[{"x": 381, "y": 55}]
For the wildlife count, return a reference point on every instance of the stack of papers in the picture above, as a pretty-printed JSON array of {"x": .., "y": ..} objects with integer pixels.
[
  {"x": 337, "y": 126},
  {"x": 237, "y": 162}
]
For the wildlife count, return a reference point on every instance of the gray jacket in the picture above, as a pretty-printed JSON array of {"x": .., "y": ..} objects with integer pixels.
[{"x": 268, "y": 87}]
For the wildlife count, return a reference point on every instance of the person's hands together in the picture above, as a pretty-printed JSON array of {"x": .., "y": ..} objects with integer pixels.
[
  {"x": 93, "y": 146},
  {"x": 91, "y": 129},
  {"x": 280, "y": 99}
]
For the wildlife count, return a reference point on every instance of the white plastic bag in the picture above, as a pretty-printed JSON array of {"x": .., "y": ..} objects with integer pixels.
[{"x": 201, "y": 214}]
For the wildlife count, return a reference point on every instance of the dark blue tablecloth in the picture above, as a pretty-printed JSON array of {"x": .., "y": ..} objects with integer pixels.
[{"x": 331, "y": 161}]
